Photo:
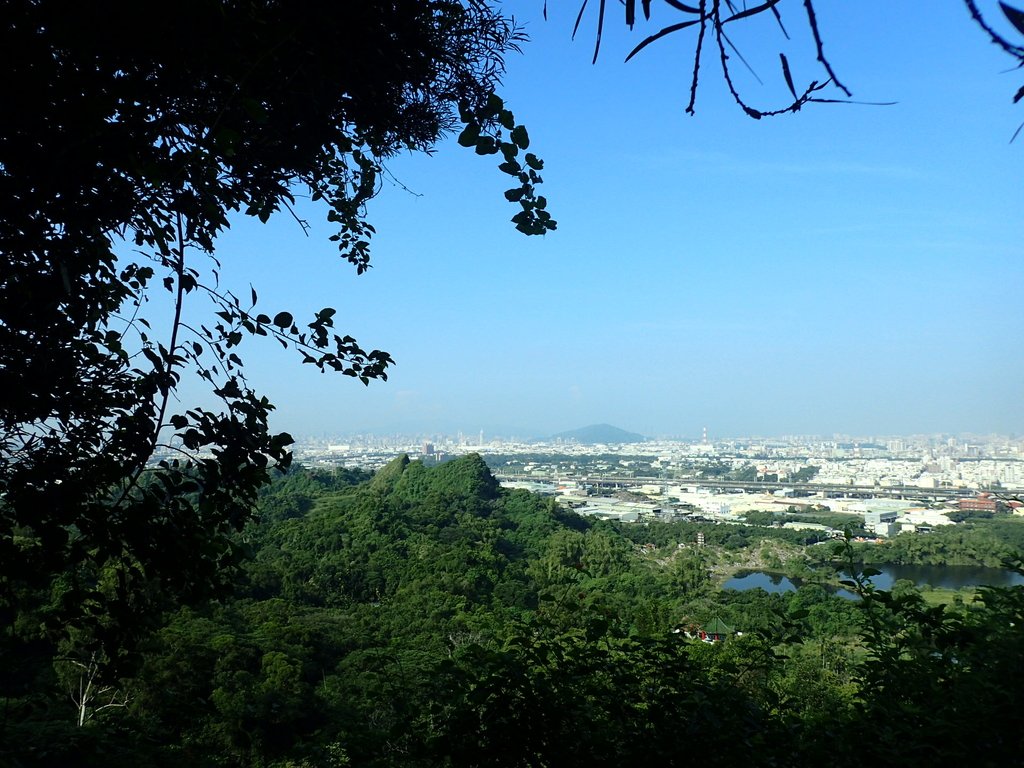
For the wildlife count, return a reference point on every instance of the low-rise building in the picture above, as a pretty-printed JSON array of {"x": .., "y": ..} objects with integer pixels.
[
  {"x": 881, "y": 522},
  {"x": 983, "y": 503}
]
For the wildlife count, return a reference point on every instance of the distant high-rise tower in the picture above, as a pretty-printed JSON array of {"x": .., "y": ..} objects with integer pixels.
[
  {"x": 705, "y": 439},
  {"x": 481, "y": 438}
]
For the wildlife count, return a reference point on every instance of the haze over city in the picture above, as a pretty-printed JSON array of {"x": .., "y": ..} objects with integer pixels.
[{"x": 849, "y": 269}]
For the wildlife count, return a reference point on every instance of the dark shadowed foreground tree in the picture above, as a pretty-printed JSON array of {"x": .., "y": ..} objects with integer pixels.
[{"x": 124, "y": 148}]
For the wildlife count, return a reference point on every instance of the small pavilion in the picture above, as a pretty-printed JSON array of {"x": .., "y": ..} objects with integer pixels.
[{"x": 715, "y": 631}]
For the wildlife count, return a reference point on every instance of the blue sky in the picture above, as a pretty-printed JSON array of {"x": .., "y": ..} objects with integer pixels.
[{"x": 851, "y": 269}]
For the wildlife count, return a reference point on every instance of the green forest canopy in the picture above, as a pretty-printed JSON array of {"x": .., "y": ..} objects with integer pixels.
[{"x": 426, "y": 616}]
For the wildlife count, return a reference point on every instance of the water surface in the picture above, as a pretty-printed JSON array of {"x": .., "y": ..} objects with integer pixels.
[{"x": 944, "y": 576}]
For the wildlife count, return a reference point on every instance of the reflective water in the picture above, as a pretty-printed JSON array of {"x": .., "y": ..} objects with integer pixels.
[
  {"x": 946, "y": 576},
  {"x": 769, "y": 582}
]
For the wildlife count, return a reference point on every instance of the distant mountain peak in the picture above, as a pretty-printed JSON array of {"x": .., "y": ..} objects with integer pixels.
[{"x": 600, "y": 433}]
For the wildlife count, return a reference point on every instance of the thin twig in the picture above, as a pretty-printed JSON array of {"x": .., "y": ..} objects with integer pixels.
[
  {"x": 741, "y": 58},
  {"x": 696, "y": 58},
  {"x": 301, "y": 222},
  {"x": 812, "y": 19},
  {"x": 179, "y": 268},
  {"x": 179, "y": 300},
  {"x": 995, "y": 37},
  {"x": 724, "y": 57}
]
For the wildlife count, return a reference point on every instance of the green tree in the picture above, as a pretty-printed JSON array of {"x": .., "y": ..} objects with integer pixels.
[
  {"x": 758, "y": 517},
  {"x": 690, "y": 572},
  {"x": 117, "y": 131}
]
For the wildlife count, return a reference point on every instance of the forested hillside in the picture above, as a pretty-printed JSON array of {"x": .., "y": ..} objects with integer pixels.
[{"x": 429, "y": 617}]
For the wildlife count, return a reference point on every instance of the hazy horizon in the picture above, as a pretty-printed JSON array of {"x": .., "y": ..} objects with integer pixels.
[{"x": 527, "y": 436}]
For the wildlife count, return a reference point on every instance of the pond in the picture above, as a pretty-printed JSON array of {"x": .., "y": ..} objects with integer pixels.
[
  {"x": 769, "y": 582},
  {"x": 946, "y": 576}
]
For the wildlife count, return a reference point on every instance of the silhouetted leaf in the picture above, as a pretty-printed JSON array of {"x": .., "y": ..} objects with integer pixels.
[
  {"x": 658, "y": 35},
  {"x": 786, "y": 74},
  {"x": 486, "y": 145},
  {"x": 469, "y": 135},
  {"x": 600, "y": 32},
  {"x": 750, "y": 11},
  {"x": 579, "y": 18},
  {"x": 1015, "y": 16},
  {"x": 520, "y": 137},
  {"x": 682, "y": 6}
]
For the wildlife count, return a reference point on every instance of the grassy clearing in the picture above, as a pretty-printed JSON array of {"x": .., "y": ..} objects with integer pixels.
[{"x": 946, "y": 596}]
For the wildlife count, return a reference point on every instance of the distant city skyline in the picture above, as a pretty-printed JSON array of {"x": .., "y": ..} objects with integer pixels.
[
  {"x": 478, "y": 437},
  {"x": 849, "y": 269},
  {"x": 936, "y": 467}
]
